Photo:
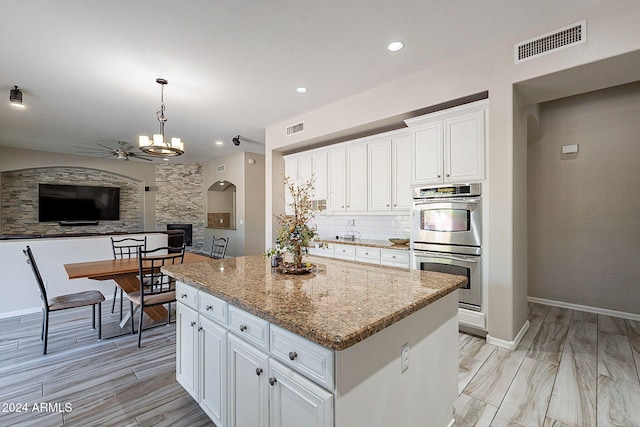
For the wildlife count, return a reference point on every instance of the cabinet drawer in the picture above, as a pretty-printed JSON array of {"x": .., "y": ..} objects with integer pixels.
[
  {"x": 395, "y": 258},
  {"x": 308, "y": 358},
  {"x": 365, "y": 254},
  {"x": 213, "y": 308},
  {"x": 252, "y": 328},
  {"x": 344, "y": 252},
  {"x": 328, "y": 251},
  {"x": 187, "y": 295}
]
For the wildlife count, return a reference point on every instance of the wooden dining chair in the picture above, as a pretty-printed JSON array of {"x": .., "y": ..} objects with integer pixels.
[
  {"x": 125, "y": 248},
  {"x": 63, "y": 302},
  {"x": 163, "y": 288},
  {"x": 218, "y": 247}
]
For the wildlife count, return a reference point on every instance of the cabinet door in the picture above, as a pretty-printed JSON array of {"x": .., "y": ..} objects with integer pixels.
[
  {"x": 356, "y": 178},
  {"x": 291, "y": 172},
  {"x": 320, "y": 172},
  {"x": 305, "y": 169},
  {"x": 337, "y": 177},
  {"x": 248, "y": 385},
  {"x": 296, "y": 401},
  {"x": 187, "y": 349},
  {"x": 464, "y": 147},
  {"x": 427, "y": 143},
  {"x": 379, "y": 188},
  {"x": 401, "y": 174},
  {"x": 213, "y": 371}
]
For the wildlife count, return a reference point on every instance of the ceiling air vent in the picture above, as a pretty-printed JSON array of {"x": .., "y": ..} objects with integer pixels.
[
  {"x": 220, "y": 168},
  {"x": 559, "y": 39},
  {"x": 299, "y": 127}
]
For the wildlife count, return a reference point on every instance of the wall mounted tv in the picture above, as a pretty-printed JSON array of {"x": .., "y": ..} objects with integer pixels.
[{"x": 77, "y": 203}]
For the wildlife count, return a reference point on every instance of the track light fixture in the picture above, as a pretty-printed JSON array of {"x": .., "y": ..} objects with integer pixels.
[
  {"x": 236, "y": 140},
  {"x": 15, "y": 97}
]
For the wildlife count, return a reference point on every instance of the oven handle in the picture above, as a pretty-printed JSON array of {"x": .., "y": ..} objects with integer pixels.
[
  {"x": 421, "y": 202},
  {"x": 451, "y": 257}
]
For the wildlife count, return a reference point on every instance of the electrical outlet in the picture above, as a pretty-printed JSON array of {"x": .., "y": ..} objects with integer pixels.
[
  {"x": 404, "y": 357},
  {"x": 351, "y": 222}
]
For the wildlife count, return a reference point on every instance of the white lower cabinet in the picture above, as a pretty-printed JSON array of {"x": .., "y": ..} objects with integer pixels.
[
  {"x": 296, "y": 401},
  {"x": 248, "y": 385},
  {"x": 225, "y": 363}
]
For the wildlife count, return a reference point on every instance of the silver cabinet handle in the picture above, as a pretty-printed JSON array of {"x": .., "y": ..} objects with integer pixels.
[
  {"x": 199, "y": 328},
  {"x": 193, "y": 323},
  {"x": 209, "y": 308},
  {"x": 243, "y": 328},
  {"x": 393, "y": 256},
  {"x": 273, "y": 381},
  {"x": 293, "y": 355},
  {"x": 259, "y": 371},
  {"x": 388, "y": 205},
  {"x": 183, "y": 295},
  {"x": 366, "y": 253},
  {"x": 448, "y": 175},
  {"x": 439, "y": 176}
]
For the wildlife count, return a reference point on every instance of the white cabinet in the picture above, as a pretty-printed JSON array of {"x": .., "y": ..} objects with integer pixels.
[
  {"x": 302, "y": 168},
  {"x": 201, "y": 361},
  {"x": 389, "y": 174},
  {"x": 224, "y": 362},
  {"x": 213, "y": 370},
  {"x": 372, "y": 255},
  {"x": 449, "y": 146},
  {"x": 395, "y": 258},
  {"x": 187, "y": 349},
  {"x": 296, "y": 401},
  {"x": 401, "y": 198},
  {"x": 248, "y": 385},
  {"x": 348, "y": 179}
]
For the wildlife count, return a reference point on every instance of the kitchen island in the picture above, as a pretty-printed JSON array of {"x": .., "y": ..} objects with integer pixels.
[{"x": 348, "y": 345}]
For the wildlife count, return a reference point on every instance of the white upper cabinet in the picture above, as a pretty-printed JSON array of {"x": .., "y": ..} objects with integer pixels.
[
  {"x": 449, "y": 146},
  {"x": 390, "y": 174},
  {"x": 401, "y": 198},
  {"x": 336, "y": 160},
  {"x": 301, "y": 168},
  {"x": 356, "y": 199},
  {"x": 320, "y": 172}
]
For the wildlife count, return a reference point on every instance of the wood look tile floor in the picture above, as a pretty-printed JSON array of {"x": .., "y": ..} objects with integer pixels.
[{"x": 571, "y": 369}]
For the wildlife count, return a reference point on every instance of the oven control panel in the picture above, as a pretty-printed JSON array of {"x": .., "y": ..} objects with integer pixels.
[{"x": 463, "y": 190}]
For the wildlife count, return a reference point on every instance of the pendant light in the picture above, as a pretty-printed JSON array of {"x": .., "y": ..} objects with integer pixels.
[{"x": 158, "y": 145}]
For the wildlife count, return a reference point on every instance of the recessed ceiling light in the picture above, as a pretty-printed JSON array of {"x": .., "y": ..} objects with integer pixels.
[
  {"x": 219, "y": 143},
  {"x": 395, "y": 46},
  {"x": 302, "y": 90}
]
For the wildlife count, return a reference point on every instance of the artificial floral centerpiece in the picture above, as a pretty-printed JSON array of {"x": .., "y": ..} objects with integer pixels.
[{"x": 295, "y": 233}]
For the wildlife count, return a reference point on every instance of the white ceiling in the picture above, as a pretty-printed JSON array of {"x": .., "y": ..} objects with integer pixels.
[{"x": 88, "y": 68}]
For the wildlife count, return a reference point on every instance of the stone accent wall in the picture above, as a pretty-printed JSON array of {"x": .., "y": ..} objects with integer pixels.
[
  {"x": 20, "y": 200},
  {"x": 180, "y": 199}
]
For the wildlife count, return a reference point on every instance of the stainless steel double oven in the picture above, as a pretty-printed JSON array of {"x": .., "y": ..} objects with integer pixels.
[{"x": 446, "y": 235}]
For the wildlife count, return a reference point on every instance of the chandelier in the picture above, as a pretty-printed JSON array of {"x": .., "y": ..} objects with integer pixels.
[{"x": 158, "y": 145}]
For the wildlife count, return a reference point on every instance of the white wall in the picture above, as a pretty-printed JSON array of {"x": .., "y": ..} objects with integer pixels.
[
  {"x": 19, "y": 289},
  {"x": 612, "y": 30}
]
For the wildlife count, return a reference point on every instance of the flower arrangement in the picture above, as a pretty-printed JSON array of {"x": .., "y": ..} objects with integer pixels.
[{"x": 295, "y": 233}]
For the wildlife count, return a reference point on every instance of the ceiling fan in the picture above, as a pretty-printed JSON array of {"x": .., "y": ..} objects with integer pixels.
[{"x": 123, "y": 152}]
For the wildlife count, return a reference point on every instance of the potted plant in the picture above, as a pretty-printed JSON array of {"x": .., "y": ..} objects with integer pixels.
[{"x": 295, "y": 233}]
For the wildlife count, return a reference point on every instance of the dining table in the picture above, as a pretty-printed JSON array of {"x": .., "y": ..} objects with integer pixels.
[{"x": 125, "y": 272}]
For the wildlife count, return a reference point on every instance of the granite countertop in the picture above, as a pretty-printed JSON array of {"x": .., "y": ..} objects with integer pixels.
[
  {"x": 382, "y": 244},
  {"x": 337, "y": 306}
]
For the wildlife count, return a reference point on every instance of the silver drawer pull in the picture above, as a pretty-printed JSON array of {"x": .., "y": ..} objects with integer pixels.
[
  {"x": 243, "y": 328},
  {"x": 272, "y": 381},
  {"x": 259, "y": 371},
  {"x": 193, "y": 323},
  {"x": 293, "y": 355},
  {"x": 209, "y": 308},
  {"x": 199, "y": 328},
  {"x": 393, "y": 256},
  {"x": 183, "y": 295}
]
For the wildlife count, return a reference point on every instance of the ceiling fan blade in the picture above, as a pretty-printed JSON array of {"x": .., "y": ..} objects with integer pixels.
[
  {"x": 91, "y": 148},
  {"x": 102, "y": 145},
  {"x": 136, "y": 156}
]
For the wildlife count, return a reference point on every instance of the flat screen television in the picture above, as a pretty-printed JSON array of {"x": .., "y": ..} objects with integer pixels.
[{"x": 77, "y": 203}]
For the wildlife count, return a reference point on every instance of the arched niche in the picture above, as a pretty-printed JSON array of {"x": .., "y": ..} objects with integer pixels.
[{"x": 221, "y": 205}]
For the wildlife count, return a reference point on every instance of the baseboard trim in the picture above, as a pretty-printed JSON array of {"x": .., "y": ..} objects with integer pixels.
[
  {"x": 17, "y": 313},
  {"x": 587, "y": 308},
  {"x": 509, "y": 345}
]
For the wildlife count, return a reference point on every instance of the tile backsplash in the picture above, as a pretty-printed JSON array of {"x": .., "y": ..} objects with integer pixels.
[{"x": 371, "y": 227}]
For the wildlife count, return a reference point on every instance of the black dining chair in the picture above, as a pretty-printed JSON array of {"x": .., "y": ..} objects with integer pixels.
[
  {"x": 125, "y": 248},
  {"x": 218, "y": 247},
  {"x": 63, "y": 302},
  {"x": 163, "y": 288}
]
